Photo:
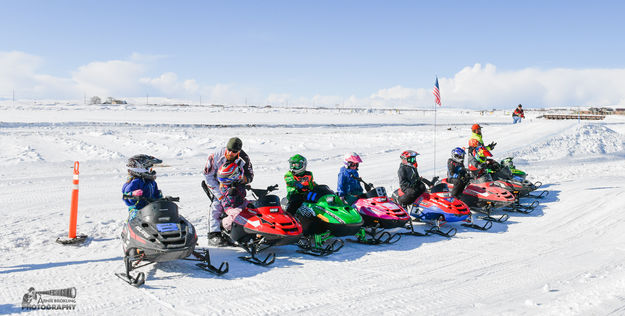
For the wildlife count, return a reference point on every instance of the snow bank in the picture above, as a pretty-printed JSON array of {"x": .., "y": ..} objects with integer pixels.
[{"x": 579, "y": 142}]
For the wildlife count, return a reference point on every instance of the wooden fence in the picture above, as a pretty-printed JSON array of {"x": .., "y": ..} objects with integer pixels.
[{"x": 571, "y": 117}]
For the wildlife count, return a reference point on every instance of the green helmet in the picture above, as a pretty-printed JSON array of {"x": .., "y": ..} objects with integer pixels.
[
  {"x": 508, "y": 163},
  {"x": 297, "y": 164}
]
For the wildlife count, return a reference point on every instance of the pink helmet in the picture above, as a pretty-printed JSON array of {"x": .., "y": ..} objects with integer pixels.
[{"x": 351, "y": 159}]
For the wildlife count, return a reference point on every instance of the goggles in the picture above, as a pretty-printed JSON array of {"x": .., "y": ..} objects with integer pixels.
[{"x": 232, "y": 153}]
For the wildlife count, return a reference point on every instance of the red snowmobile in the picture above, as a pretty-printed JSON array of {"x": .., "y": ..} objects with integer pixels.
[{"x": 262, "y": 224}]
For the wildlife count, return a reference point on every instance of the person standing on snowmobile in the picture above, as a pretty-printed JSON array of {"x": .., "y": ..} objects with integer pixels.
[
  {"x": 456, "y": 172},
  {"x": 348, "y": 187},
  {"x": 298, "y": 183},
  {"x": 476, "y": 139},
  {"x": 479, "y": 164},
  {"x": 411, "y": 184},
  {"x": 232, "y": 191},
  {"x": 140, "y": 183},
  {"x": 518, "y": 114},
  {"x": 230, "y": 153}
]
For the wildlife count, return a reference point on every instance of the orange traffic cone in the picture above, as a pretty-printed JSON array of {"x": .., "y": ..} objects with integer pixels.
[{"x": 72, "y": 239}]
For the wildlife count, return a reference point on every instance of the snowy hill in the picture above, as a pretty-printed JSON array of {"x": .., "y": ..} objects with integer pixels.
[{"x": 565, "y": 258}]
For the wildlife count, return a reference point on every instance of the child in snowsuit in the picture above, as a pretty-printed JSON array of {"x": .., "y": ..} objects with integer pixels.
[
  {"x": 348, "y": 187},
  {"x": 140, "y": 183},
  {"x": 298, "y": 183},
  {"x": 232, "y": 191},
  {"x": 456, "y": 172},
  {"x": 479, "y": 164},
  {"x": 476, "y": 139},
  {"x": 411, "y": 184}
]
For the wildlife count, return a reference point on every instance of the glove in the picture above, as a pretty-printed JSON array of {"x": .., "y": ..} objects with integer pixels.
[
  {"x": 492, "y": 145},
  {"x": 299, "y": 186},
  {"x": 434, "y": 180},
  {"x": 138, "y": 192}
]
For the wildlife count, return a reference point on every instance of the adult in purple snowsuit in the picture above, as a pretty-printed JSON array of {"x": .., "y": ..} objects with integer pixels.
[{"x": 230, "y": 153}]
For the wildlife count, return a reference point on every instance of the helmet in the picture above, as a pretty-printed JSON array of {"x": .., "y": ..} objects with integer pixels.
[
  {"x": 229, "y": 172},
  {"x": 351, "y": 159},
  {"x": 409, "y": 157},
  {"x": 473, "y": 142},
  {"x": 481, "y": 153},
  {"x": 457, "y": 154},
  {"x": 297, "y": 164},
  {"x": 507, "y": 162},
  {"x": 475, "y": 127},
  {"x": 140, "y": 166}
]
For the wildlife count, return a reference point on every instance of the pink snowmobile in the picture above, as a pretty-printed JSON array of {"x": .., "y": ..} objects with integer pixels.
[{"x": 379, "y": 213}]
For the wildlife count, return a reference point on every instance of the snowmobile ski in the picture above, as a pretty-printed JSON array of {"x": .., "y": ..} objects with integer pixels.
[
  {"x": 269, "y": 259},
  {"x": 524, "y": 209},
  {"x": 136, "y": 281},
  {"x": 487, "y": 225},
  {"x": 489, "y": 217},
  {"x": 375, "y": 236},
  {"x": 541, "y": 195},
  {"x": 130, "y": 265},
  {"x": 437, "y": 230},
  {"x": 412, "y": 232},
  {"x": 306, "y": 247},
  {"x": 206, "y": 265}
]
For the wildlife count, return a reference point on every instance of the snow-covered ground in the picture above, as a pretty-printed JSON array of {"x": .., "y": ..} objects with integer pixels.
[{"x": 565, "y": 258}]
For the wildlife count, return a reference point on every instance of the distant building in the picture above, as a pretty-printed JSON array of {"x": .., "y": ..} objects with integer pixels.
[{"x": 110, "y": 100}]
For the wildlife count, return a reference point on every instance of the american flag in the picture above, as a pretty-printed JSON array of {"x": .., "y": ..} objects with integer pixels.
[{"x": 437, "y": 94}]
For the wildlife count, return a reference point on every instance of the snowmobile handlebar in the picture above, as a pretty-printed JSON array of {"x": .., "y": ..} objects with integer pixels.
[
  {"x": 261, "y": 192},
  {"x": 368, "y": 186},
  {"x": 149, "y": 200}
]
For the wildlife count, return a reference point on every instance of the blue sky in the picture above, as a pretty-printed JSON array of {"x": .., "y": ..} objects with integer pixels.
[{"x": 344, "y": 52}]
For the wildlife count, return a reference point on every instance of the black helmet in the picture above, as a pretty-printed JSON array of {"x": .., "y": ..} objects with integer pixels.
[{"x": 141, "y": 166}]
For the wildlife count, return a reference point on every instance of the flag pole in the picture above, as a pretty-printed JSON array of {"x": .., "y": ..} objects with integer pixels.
[
  {"x": 437, "y": 101},
  {"x": 435, "y": 139}
]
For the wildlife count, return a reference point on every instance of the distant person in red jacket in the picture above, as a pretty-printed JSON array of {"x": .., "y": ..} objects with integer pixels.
[{"x": 518, "y": 114}]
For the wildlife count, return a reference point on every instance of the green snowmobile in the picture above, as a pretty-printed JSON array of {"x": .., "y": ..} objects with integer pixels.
[{"x": 324, "y": 216}]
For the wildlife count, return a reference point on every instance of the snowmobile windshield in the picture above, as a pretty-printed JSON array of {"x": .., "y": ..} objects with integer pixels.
[
  {"x": 323, "y": 190},
  {"x": 161, "y": 211},
  {"x": 268, "y": 200}
]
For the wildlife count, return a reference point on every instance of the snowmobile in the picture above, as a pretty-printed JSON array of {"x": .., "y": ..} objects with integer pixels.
[
  {"x": 262, "y": 224},
  {"x": 437, "y": 207},
  {"x": 508, "y": 171},
  {"x": 496, "y": 175},
  {"x": 379, "y": 213},
  {"x": 324, "y": 216},
  {"x": 485, "y": 196},
  {"x": 157, "y": 233}
]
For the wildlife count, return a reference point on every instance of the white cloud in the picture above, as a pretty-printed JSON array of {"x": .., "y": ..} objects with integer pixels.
[
  {"x": 18, "y": 71},
  {"x": 396, "y": 92},
  {"x": 486, "y": 87},
  {"x": 476, "y": 86},
  {"x": 113, "y": 78}
]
